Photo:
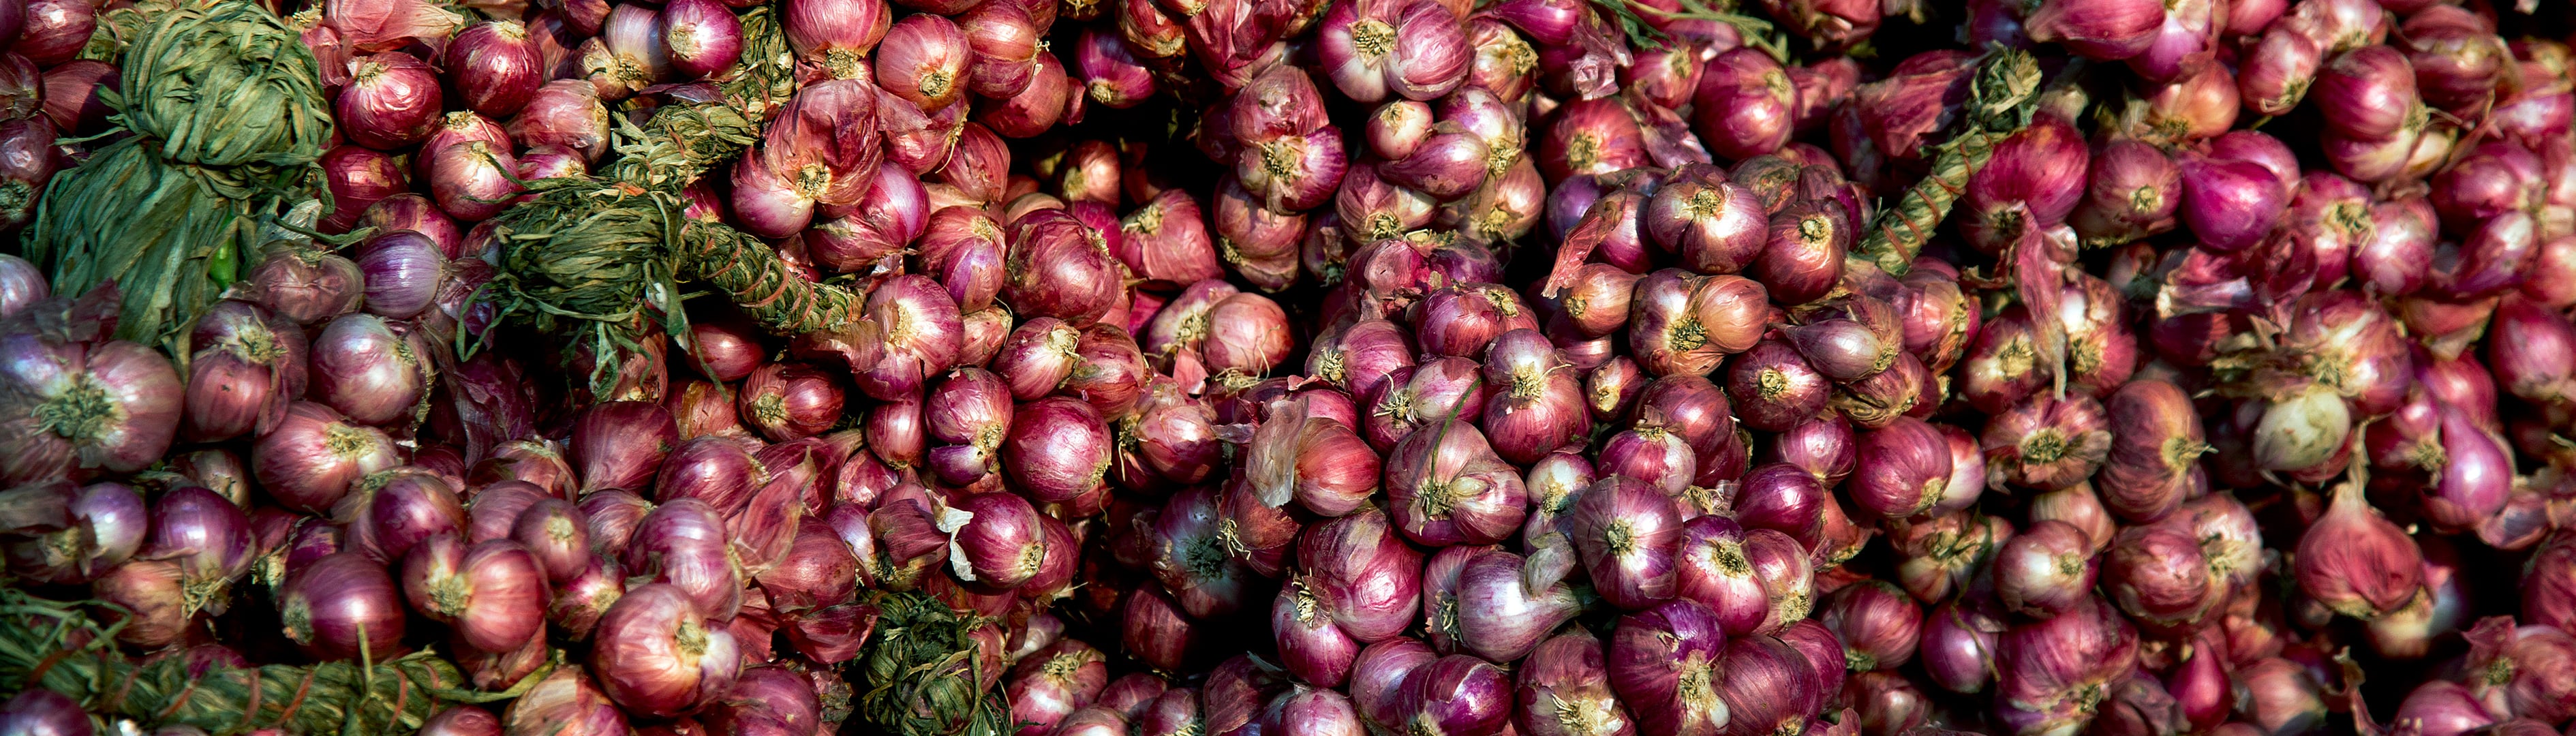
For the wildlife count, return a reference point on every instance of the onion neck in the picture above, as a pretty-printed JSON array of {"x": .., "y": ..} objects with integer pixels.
[
  {"x": 1372, "y": 38},
  {"x": 81, "y": 413}
]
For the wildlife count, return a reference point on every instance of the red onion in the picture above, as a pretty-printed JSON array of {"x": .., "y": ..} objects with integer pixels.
[
  {"x": 1113, "y": 75},
  {"x": 358, "y": 178},
  {"x": 786, "y": 401},
  {"x": 1446, "y": 486},
  {"x": 494, "y": 67},
  {"x": 684, "y": 543},
  {"x": 1457, "y": 694},
  {"x": 1364, "y": 574},
  {"x": 472, "y": 181},
  {"x": 1713, "y": 570},
  {"x": 703, "y": 37},
  {"x": 1768, "y": 687},
  {"x": 556, "y": 534},
  {"x": 1050, "y": 97},
  {"x": 38, "y": 711},
  {"x": 1594, "y": 137},
  {"x": 2102, "y": 30},
  {"x": 2045, "y": 571},
  {"x": 563, "y": 112},
  {"x": 1903, "y": 469},
  {"x": 307, "y": 287},
  {"x": 1053, "y": 682},
  {"x": 579, "y": 601},
  {"x": 342, "y": 606},
  {"x": 1417, "y": 50},
  {"x": 1157, "y": 633},
  {"x": 1537, "y": 405},
  {"x": 418, "y": 214},
  {"x": 1310, "y": 645},
  {"x": 1565, "y": 690},
  {"x": 2456, "y": 58},
  {"x": 1628, "y": 534},
  {"x": 1379, "y": 679},
  {"x": 1876, "y": 623},
  {"x": 2368, "y": 92},
  {"x": 103, "y": 524},
  {"x": 245, "y": 366},
  {"x": 2046, "y": 664},
  {"x": 2046, "y": 444},
  {"x": 2157, "y": 574},
  {"x": 566, "y": 703},
  {"x": 1134, "y": 694},
  {"x": 314, "y": 454},
  {"x": 2231, "y": 205},
  {"x": 923, "y": 60},
  {"x": 2355, "y": 561},
  {"x": 1247, "y": 334},
  {"x": 1003, "y": 42},
  {"x": 403, "y": 271},
  {"x": 1774, "y": 388},
  {"x": 21, "y": 285},
  {"x": 1056, "y": 269},
  {"x": 494, "y": 593},
  {"x": 396, "y": 509},
  {"x": 71, "y": 95},
  {"x": 391, "y": 101},
  {"x": 655, "y": 655},
  {"x": 1959, "y": 644},
  {"x": 1057, "y": 448},
  {"x": 1686, "y": 324},
  {"x": 1002, "y": 546},
  {"x": 366, "y": 369},
  {"x": 1712, "y": 222},
  {"x": 1744, "y": 104},
  {"x": 154, "y": 594},
  {"x": 2441, "y": 707},
  {"x": 1498, "y": 615},
  {"x": 1668, "y": 662},
  {"x": 836, "y": 34},
  {"x": 102, "y": 404},
  {"x": 1361, "y": 357},
  {"x": 620, "y": 444}
]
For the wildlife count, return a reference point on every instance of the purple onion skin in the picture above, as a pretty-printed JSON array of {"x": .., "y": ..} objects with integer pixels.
[{"x": 42, "y": 712}]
